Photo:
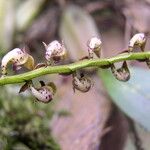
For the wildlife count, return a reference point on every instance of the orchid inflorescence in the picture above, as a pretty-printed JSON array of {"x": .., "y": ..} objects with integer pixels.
[{"x": 56, "y": 52}]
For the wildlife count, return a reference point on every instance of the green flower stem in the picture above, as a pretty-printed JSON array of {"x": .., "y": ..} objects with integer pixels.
[{"x": 72, "y": 67}]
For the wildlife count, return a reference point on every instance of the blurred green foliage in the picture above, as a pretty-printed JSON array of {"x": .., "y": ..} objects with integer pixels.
[
  {"x": 24, "y": 124},
  {"x": 131, "y": 97}
]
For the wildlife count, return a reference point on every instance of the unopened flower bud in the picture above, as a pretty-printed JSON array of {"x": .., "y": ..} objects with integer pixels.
[
  {"x": 55, "y": 51},
  {"x": 94, "y": 46},
  {"x": 121, "y": 74},
  {"x": 81, "y": 83},
  {"x": 138, "y": 40}
]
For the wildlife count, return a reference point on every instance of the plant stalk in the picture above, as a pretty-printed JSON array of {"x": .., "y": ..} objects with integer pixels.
[{"x": 70, "y": 68}]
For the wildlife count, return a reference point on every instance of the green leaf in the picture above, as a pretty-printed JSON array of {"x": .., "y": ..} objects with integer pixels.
[{"x": 132, "y": 97}]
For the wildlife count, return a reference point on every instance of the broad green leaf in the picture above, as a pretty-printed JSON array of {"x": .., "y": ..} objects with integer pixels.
[
  {"x": 132, "y": 97},
  {"x": 76, "y": 28}
]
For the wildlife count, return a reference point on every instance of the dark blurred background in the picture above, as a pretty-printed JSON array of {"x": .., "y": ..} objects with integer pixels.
[{"x": 112, "y": 115}]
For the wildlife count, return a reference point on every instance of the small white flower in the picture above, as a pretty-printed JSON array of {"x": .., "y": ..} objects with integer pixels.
[
  {"x": 139, "y": 40},
  {"x": 94, "y": 45},
  {"x": 55, "y": 51}
]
